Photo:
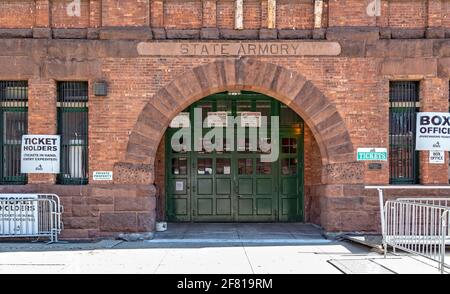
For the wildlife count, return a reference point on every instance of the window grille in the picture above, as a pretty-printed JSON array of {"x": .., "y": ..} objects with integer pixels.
[
  {"x": 73, "y": 129},
  {"x": 13, "y": 124},
  {"x": 403, "y": 159}
]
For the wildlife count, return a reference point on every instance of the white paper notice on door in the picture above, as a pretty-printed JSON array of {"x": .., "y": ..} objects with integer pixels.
[
  {"x": 226, "y": 170},
  {"x": 179, "y": 186}
]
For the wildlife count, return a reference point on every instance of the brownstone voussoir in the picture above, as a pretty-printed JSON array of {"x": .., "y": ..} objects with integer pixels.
[
  {"x": 229, "y": 66},
  {"x": 288, "y": 84},
  {"x": 314, "y": 102},
  {"x": 189, "y": 86},
  {"x": 153, "y": 118},
  {"x": 341, "y": 148},
  {"x": 338, "y": 139},
  {"x": 202, "y": 77},
  {"x": 165, "y": 103},
  {"x": 214, "y": 75},
  {"x": 250, "y": 74},
  {"x": 252, "y": 70},
  {"x": 302, "y": 96},
  {"x": 329, "y": 122},
  {"x": 266, "y": 79}
]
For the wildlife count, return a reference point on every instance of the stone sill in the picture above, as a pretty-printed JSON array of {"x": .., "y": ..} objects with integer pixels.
[{"x": 147, "y": 33}]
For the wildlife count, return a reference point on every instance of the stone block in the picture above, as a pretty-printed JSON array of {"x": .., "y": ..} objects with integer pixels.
[
  {"x": 126, "y": 33},
  {"x": 118, "y": 222},
  {"x": 69, "y": 33},
  {"x": 408, "y": 33},
  {"x": 268, "y": 34},
  {"x": 42, "y": 33},
  {"x": 159, "y": 33},
  {"x": 353, "y": 33},
  {"x": 294, "y": 34},
  {"x": 209, "y": 33},
  {"x": 16, "y": 33},
  {"x": 183, "y": 34},
  {"x": 239, "y": 34}
]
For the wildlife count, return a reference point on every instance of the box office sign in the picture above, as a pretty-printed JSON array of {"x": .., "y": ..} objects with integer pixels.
[
  {"x": 437, "y": 157},
  {"x": 40, "y": 154},
  {"x": 433, "y": 131},
  {"x": 18, "y": 215}
]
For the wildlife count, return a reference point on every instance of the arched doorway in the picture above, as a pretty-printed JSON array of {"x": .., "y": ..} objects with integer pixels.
[
  {"x": 254, "y": 173},
  {"x": 326, "y": 125}
]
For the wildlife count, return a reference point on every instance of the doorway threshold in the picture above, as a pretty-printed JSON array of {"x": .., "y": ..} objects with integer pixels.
[{"x": 239, "y": 233}]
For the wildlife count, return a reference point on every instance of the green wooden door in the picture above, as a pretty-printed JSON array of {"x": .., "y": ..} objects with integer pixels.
[
  {"x": 291, "y": 176},
  {"x": 235, "y": 184},
  {"x": 178, "y": 178}
]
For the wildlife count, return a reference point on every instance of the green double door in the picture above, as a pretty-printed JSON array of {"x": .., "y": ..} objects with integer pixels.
[{"x": 236, "y": 184}]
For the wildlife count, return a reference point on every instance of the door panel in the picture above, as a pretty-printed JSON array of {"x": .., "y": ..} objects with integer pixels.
[
  {"x": 223, "y": 206},
  {"x": 178, "y": 186},
  {"x": 235, "y": 186},
  {"x": 291, "y": 176},
  {"x": 205, "y": 206},
  {"x": 213, "y": 189}
]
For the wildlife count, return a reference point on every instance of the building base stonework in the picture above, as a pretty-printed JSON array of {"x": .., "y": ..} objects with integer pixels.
[{"x": 100, "y": 211}]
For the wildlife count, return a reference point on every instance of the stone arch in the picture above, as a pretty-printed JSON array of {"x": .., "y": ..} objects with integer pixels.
[{"x": 285, "y": 85}]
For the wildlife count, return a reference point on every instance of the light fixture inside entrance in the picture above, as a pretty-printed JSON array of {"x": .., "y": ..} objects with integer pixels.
[{"x": 234, "y": 93}]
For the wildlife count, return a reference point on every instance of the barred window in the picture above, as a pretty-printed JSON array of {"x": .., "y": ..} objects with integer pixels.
[
  {"x": 13, "y": 124},
  {"x": 403, "y": 159},
  {"x": 73, "y": 129}
]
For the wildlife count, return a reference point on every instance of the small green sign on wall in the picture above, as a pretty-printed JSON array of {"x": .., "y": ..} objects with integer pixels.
[{"x": 372, "y": 154}]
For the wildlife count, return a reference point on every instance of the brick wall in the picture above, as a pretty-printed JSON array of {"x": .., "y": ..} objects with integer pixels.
[
  {"x": 125, "y": 12},
  {"x": 445, "y": 11},
  {"x": 295, "y": 15},
  {"x": 349, "y": 13},
  {"x": 61, "y": 19},
  {"x": 178, "y": 14},
  {"x": 182, "y": 14},
  {"x": 408, "y": 14},
  {"x": 17, "y": 14},
  {"x": 433, "y": 92},
  {"x": 225, "y": 14},
  {"x": 209, "y": 14},
  {"x": 41, "y": 116},
  {"x": 252, "y": 14}
]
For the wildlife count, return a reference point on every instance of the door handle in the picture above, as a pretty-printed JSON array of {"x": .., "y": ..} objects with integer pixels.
[{"x": 236, "y": 188}]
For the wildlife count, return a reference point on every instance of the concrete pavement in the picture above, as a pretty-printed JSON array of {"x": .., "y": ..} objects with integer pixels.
[{"x": 217, "y": 249}]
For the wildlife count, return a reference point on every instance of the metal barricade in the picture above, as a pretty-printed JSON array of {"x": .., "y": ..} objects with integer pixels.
[
  {"x": 417, "y": 228},
  {"x": 30, "y": 215},
  {"x": 418, "y": 225}
]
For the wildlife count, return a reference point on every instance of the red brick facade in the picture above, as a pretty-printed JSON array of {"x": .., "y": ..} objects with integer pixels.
[{"x": 343, "y": 99}]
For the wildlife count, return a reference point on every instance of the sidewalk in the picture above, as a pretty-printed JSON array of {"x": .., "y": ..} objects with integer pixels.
[{"x": 221, "y": 249}]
